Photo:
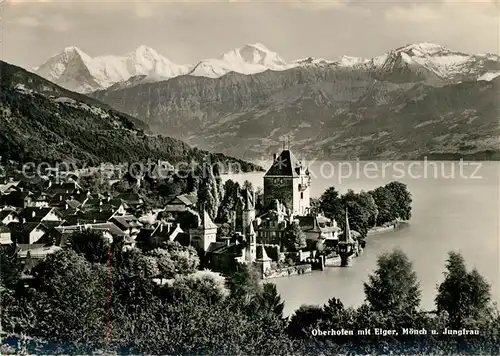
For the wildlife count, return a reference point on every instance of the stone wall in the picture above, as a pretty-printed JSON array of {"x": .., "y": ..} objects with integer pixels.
[
  {"x": 288, "y": 271},
  {"x": 332, "y": 261}
]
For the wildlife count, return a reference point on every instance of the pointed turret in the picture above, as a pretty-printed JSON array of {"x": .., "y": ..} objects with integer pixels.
[
  {"x": 251, "y": 230},
  {"x": 346, "y": 244},
  {"x": 251, "y": 252},
  {"x": 347, "y": 228}
]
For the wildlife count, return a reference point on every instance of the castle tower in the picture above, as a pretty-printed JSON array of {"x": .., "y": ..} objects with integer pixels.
[{"x": 288, "y": 181}]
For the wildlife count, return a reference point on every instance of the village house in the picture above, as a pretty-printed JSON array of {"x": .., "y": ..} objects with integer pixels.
[
  {"x": 32, "y": 214},
  {"x": 9, "y": 215},
  {"x": 72, "y": 188},
  {"x": 39, "y": 200},
  {"x": 31, "y": 232},
  {"x": 319, "y": 230},
  {"x": 5, "y": 235},
  {"x": 9, "y": 186},
  {"x": 109, "y": 231},
  {"x": 153, "y": 237},
  {"x": 17, "y": 198}
]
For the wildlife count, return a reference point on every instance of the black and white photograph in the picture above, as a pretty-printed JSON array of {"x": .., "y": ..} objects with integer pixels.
[{"x": 246, "y": 177}]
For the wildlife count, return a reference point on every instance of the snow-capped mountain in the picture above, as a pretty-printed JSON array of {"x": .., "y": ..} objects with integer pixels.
[
  {"x": 249, "y": 59},
  {"x": 422, "y": 62},
  {"x": 419, "y": 62},
  {"x": 432, "y": 62},
  {"x": 75, "y": 70}
]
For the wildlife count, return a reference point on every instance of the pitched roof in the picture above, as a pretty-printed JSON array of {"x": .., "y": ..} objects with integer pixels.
[
  {"x": 4, "y": 187},
  {"x": 67, "y": 187},
  {"x": 126, "y": 221},
  {"x": 284, "y": 165},
  {"x": 5, "y": 213},
  {"x": 315, "y": 224},
  {"x": 223, "y": 247},
  {"x": 109, "y": 227},
  {"x": 251, "y": 231},
  {"x": 50, "y": 224},
  {"x": 188, "y": 199},
  {"x": 347, "y": 235},
  {"x": 206, "y": 221},
  {"x": 131, "y": 198},
  {"x": 35, "y": 214}
]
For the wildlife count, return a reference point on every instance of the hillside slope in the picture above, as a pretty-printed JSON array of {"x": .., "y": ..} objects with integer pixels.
[
  {"x": 42, "y": 122},
  {"x": 329, "y": 113}
]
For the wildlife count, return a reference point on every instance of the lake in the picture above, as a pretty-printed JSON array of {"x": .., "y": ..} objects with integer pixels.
[{"x": 455, "y": 207}]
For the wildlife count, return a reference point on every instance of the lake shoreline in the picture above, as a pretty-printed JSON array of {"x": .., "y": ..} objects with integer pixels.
[{"x": 381, "y": 229}]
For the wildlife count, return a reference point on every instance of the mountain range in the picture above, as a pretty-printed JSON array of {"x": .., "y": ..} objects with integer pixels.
[
  {"x": 77, "y": 71},
  {"x": 416, "y": 100},
  {"x": 43, "y": 122}
]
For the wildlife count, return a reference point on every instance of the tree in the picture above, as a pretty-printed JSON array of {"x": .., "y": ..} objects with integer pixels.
[
  {"x": 248, "y": 185},
  {"x": 228, "y": 201},
  {"x": 174, "y": 259},
  {"x": 463, "y": 295},
  {"x": 70, "y": 302},
  {"x": 209, "y": 191},
  {"x": 91, "y": 244},
  {"x": 188, "y": 220},
  {"x": 403, "y": 199},
  {"x": 315, "y": 206},
  {"x": 368, "y": 203},
  {"x": 393, "y": 287},
  {"x": 295, "y": 239},
  {"x": 244, "y": 282},
  {"x": 269, "y": 301},
  {"x": 304, "y": 320},
  {"x": 223, "y": 230},
  {"x": 330, "y": 203},
  {"x": 10, "y": 265},
  {"x": 386, "y": 205}
]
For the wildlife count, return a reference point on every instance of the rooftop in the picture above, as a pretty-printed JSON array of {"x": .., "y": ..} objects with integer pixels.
[{"x": 284, "y": 165}]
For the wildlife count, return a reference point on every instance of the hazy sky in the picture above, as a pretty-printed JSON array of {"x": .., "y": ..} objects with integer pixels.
[{"x": 187, "y": 31}]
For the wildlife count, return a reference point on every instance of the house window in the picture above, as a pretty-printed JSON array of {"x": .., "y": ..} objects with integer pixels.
[
  {"x": 281, "y": 180},
  {"x": 301, "y": 195},
  {"x": 275, "y": 180}
]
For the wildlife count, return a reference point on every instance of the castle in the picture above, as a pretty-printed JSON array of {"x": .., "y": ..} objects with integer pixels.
[{"x": 286, "y": 201}]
